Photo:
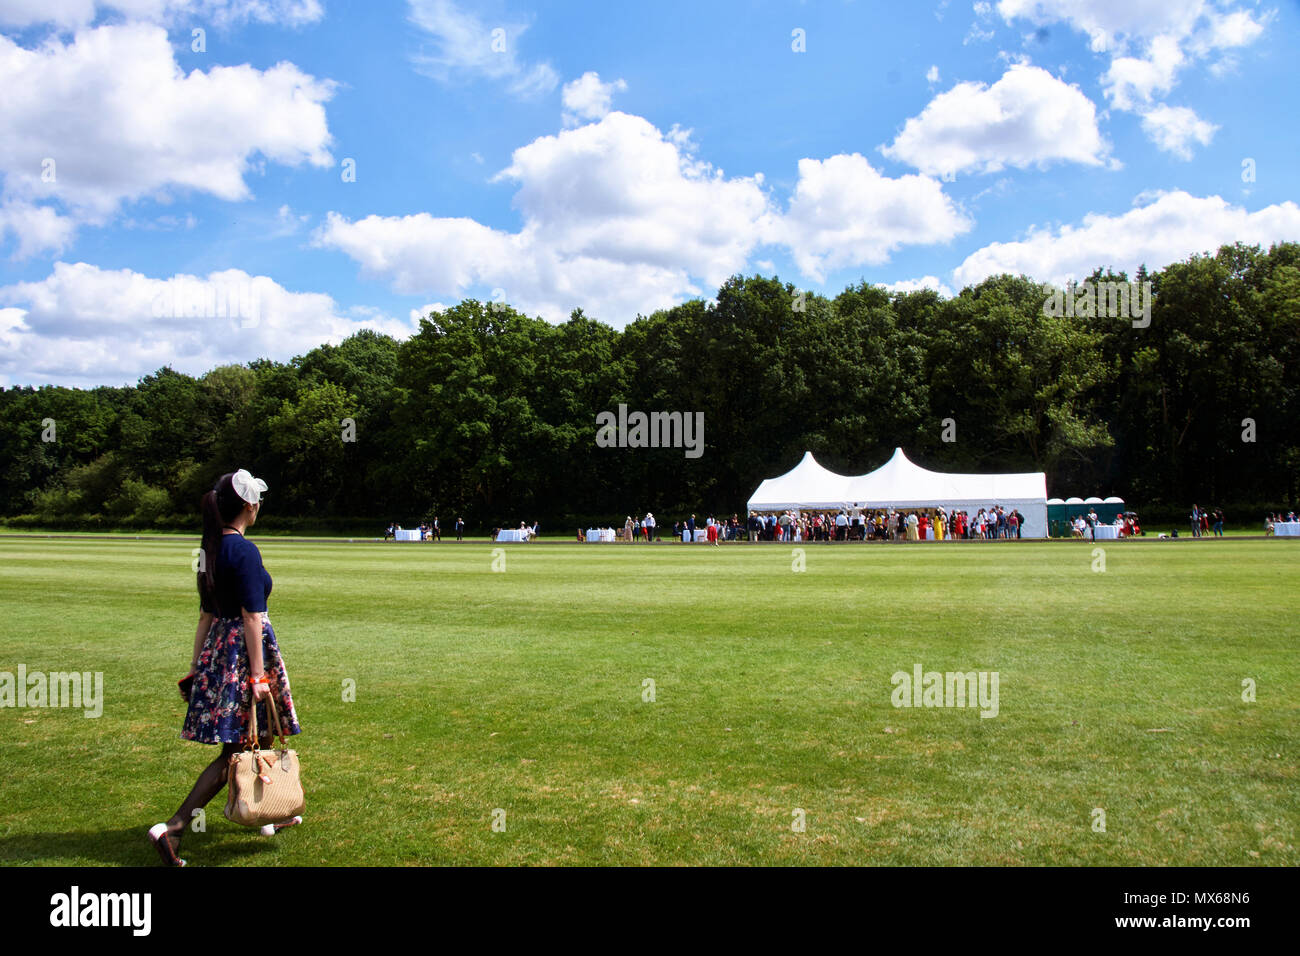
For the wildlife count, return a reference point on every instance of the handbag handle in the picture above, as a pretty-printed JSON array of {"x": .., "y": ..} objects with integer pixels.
[{"x": 254, "y": 741}]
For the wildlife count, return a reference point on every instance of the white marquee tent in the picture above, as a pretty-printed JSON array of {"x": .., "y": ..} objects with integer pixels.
[{"x": 898, "y": 484}]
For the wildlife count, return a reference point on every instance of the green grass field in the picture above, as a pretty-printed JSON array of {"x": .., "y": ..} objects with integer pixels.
[{"x": 522, "y": 690}]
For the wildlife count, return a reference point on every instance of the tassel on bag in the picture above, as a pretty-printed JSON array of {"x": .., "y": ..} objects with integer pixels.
[{"x": 264, "y": 786}]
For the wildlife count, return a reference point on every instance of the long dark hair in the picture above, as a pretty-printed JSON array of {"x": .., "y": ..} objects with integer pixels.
[{"x": 221, "y": 506}]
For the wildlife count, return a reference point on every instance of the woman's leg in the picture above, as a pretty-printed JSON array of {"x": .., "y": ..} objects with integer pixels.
[{"x": 210, "y": 783}]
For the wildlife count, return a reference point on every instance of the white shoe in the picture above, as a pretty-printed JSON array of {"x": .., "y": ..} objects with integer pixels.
[
  {"x": 158, "y": 837},
  {"x": 271, "y": 829}
]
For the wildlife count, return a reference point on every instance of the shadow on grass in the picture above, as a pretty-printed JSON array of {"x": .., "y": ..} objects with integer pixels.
[{"x": 130, "y": 846}]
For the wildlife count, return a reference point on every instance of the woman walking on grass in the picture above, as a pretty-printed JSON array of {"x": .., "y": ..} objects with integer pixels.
[{"x": 236, "y": 659}]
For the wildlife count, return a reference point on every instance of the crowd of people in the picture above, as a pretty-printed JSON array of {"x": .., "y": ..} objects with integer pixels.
[
  {"x": 1126, "y": 522},
  {"x": 429, "y": 530},
  {"x": 527, "y": 531},
  {"x": 1272, "y": 519},
  {"x": 923, "y": 524},
  {"x": 715, "y": 531},
  {"x": 634, "y": 529},
  {"x": 926, "y": 524},
  {"x": 1201, "y": 527},
  {"x": 647, "y": 529}
]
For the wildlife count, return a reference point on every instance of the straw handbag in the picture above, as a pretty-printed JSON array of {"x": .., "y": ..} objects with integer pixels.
[{"x": 263, "y": 784}]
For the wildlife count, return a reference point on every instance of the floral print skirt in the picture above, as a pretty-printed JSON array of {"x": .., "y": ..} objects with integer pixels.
[{"x": 220, "y": 696}]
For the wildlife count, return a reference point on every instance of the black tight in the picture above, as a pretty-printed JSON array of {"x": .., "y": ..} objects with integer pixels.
[{"x": 210, "y": 783}]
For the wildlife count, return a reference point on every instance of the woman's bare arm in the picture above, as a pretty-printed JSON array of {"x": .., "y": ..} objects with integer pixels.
[
  {"x": 200, "y": 634},
  {"x": 253, "y": 641}
]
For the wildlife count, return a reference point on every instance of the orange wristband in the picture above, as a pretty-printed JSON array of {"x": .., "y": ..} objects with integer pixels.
[{"x": 259, "y": 680}]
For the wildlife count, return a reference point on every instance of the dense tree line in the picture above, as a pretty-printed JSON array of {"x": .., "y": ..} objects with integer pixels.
[{"x": 491, "y": 414}]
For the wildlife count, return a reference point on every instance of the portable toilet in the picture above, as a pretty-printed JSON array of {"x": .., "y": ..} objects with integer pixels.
[
  {"x": 1056, "y": 526},
  {"x": 1106, "y": 510}
]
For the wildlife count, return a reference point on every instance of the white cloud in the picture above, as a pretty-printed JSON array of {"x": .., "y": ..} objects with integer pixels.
[
  {"x": 1110, "y": 23},
  {"x": 163, "y": 223},
  {"x": 288, "y": 222},
  {"x": 83, "y": 325},
  {"x": 424, "y": 310},
  {"x": 37, "y": 228},
  {"x": 71, "y": 14},
  {"x": 623, "y": 189},
  {"x": 113, "y": 117},
  {"x": 616, "y": 218},
  {"x": 845, "y": 213},
  {"x": 1027, "y": 118},
  {"x": 1173, "y": 128},
  {"x": 466, "y": 46},
  {"x": 621, "y": 218},
  {"x": 1228, "y": 30},
  {"x": 915, "y": 285},
  {"x": 1133, "y": 82},
  {"x": 932, "y": 74},
  {"x": 587, "y": 98},
  {"x": 978, "y": 31},
  {"x": 1150, "y": 42},
  {"x": 1172, "y": 227}
]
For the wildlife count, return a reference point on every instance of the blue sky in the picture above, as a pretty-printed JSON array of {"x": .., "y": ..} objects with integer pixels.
[{"x": 166, "y": 205}]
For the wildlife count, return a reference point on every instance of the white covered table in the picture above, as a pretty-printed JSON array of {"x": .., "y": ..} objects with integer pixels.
[
  {"x": 1105, "y": 532},
  {"x": 600, "y": 534},
  {"x": 507, "y": 535},
  {"x": 407, "y": 534},
  {"x": 1286, "y": 529}
]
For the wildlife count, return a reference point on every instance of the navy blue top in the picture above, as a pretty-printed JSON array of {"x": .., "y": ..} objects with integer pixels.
[{"x": 241, "y": 580}]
